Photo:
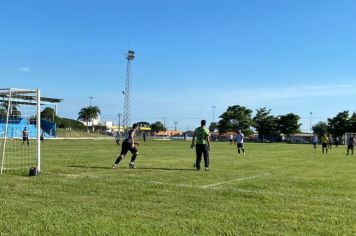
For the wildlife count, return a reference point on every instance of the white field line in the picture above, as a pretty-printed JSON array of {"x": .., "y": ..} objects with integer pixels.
[
  {"x": 212, "y": 186},
  {"x": 206, "y": 186},
  {"x": 235, "y": 180}
]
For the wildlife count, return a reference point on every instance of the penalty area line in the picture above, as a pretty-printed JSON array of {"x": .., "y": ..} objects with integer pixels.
[
  {"x": 236, "y": 180},
  {"x": 205, "y": 186}
]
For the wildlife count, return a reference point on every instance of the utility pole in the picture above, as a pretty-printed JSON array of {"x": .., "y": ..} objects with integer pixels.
[
  {"x": 119, "y": 115},
  {"x": 175, "y": 125},
  {"x": 311, "y": 128},
  {"x": 164, "y": 122}
]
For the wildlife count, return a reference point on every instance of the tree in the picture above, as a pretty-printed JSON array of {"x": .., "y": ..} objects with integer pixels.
[
  {"x": 236, "y": 118},
  {"x": 89, "y": 113},
  {"x": 14, "y": 112},
  {"x": 143, "y": 124},
  {"x": 213, "y": 126},
  {"x": 69, "y": 123},
  {"x": 289, "y": 124},
  {"x": 48, "y": 114},
  {"x": 157, "y": 126},
  {"x": 339, "y": 124},
  {"x": 352, "y": 123},
  {"x": 265, "y": 124},
  {"x": 320, "y": 128}
]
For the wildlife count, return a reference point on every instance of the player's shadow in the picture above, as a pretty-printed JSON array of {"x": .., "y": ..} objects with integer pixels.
[
  {"x": 165, "y": 168},
  {"x": 139, "y": 168},
  {"x": 92, "y": 167}
]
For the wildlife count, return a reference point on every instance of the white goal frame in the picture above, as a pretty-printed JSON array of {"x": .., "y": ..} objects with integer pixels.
[{"x": 26, "y": 98}]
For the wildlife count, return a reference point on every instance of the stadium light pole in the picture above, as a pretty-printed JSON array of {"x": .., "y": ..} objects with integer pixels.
[
  {"x": 213, "y": 113},
  {"x": 126, "y": 120},
  {"x": 91, "y": 98}
]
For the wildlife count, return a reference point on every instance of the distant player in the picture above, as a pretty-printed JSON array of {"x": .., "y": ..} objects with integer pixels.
[
  {"x": 351, "y": 145},
  {"x": 315, "y": 141},
  {"x": 128, "y": 145},
  {"x": 240, "y": 142},
  {"x": 337, "y": 141},
  {"x": 25, "y": 137},
  {"x": 330, "y": 142},
  {"x": 144, "y": 137},
  {"x": 117, "y": 138},
  {"x": 42, "y": 137},
  {"x": 324, "y": 144},
  {"x": 201, "y": 142},
  {"x": 231, "y": 139}
]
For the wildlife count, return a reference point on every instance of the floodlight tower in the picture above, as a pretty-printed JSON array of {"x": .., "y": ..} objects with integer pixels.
[{"x": 127, "y": 100}]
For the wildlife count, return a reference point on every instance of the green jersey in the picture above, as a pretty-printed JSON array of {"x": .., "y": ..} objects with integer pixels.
[
  {"x": 201, "y": 134},
  {"x": 324, "y": 139}
]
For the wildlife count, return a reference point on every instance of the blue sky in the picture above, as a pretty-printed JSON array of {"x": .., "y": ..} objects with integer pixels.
[{"x": 287, "y": 55}]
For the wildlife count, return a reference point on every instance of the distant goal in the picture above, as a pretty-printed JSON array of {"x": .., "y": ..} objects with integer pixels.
[{"x": 20, "y": 130}]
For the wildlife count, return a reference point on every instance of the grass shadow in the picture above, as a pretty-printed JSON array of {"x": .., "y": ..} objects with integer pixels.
[
  {"x": 92, "y": 167},
  {"x": 164, "y": 168}
]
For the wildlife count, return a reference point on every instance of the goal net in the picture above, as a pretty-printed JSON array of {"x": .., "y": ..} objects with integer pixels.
[{"x": 20, "y": 130}]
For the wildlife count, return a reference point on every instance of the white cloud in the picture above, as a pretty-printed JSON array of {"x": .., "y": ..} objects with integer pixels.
[
  {"x": 24, "y": 69},
  {"x": 295, "y": 92},
  {"x": 19, "y": 69}
]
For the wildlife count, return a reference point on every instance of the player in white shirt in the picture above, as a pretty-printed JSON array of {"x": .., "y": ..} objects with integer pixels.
[{"x": 240, "y": 142}]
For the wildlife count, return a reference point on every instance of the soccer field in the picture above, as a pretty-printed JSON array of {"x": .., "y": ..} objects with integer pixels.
[{"x": 276, "y": 189}]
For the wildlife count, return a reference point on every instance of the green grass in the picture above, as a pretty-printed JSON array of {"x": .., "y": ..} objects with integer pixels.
[
  {"x": 276, "y": 189},
  {"x": 63, "y": 133}
]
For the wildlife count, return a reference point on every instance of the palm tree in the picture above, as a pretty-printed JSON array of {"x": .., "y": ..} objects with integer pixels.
[
  {"x": 84, "y": 115},
  {"x": 89, "y": 113}
]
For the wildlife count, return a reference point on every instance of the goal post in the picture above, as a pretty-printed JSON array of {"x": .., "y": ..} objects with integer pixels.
[
  {"x": 20, "y": 129},
  {"x": 347, "y": 135}
]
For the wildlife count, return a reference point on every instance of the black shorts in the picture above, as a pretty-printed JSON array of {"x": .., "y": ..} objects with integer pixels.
[
  {"x": 240, "y": 145},
  {"x": 324, "y": 145},
  {"x": 24, "y": 139},
  {"x": 350, "y": 146},
  {"x": 127, "y": 147}
]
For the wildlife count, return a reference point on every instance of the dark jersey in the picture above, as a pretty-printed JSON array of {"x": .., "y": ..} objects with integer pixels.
[{"x": 130, "y": 136}]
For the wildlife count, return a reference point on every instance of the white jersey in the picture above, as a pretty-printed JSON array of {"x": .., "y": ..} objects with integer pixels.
[
  {"x": 240, "y": 138},
  {"x": 231, "y": 137}
]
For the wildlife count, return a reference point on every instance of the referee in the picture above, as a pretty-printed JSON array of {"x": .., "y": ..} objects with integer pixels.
[{"x": 201, "y": 142}]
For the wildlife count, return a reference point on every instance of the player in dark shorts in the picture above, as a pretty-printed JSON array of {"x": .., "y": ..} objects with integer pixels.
[
  {"x": 240, "y": 142},
  {"x": 117, "y": 139},
  {"x": 42, "y": 137},
  {"x": 201, "y": 142},
  {"x": 25, "y": 136},
  {"x": 315, "y": 141},
  {"x": 324, "y": 144},
  {"x": 351, "y": 145},
  {"x": 128, "y": 145}
]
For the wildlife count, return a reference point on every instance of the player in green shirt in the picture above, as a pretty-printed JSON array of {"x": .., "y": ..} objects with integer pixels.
[
  {"x": 201, "y": 142},
  {"x": 324, "y": 144}
]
